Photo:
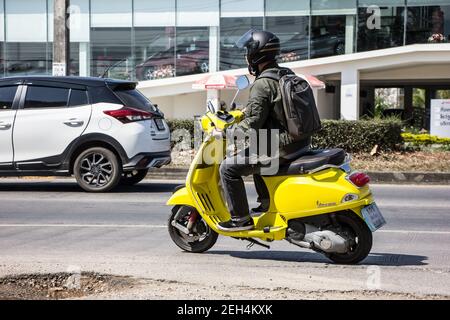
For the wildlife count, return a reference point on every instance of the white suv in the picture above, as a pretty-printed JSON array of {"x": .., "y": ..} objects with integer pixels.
[{"x": 102, "y": 131}]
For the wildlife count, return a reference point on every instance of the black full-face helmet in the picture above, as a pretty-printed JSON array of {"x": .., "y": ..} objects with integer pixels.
[{"x": 261, "y": 46}]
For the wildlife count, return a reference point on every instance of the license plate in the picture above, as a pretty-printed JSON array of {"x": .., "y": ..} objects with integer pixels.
[
  {"x": 159, "y": 124},
  {"x": 373, "y": 217}
]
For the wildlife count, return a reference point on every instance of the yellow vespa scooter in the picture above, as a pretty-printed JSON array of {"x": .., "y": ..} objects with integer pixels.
[{"x": 316, "y": 201}]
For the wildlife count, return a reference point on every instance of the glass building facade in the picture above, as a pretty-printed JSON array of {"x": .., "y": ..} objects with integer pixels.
[{"x": 155, "y": 39}]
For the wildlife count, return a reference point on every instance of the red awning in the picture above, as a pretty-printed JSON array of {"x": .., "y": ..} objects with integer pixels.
[
  {"x": 215, "y": 81},
  {"x": 314, "y": 82},
  {"x": 225, "y": 81}
]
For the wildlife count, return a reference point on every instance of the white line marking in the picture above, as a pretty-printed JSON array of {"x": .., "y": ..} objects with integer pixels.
[
  {"x": 113, "y": 226},
  {"x": 147, "y": 226},
  {"x": 414, "y": 231}
]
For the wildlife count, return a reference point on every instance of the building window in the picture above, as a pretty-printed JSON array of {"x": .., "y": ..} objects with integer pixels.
[
  {"x": 26, "y": 58},
  {"x": 428, "y": 23},
  {"x": 2, "y": 59},
  {"x": 192, "y": 53},
  {"x": 293, "y": 34},
  {"x": 111, "y": 53},
  {"x": 289, "y": 20},
  {"x": 380, "y": 24},
  {"x": 327, "y": 36},
  {"x": 231, "y": 29},
  {"x": 155, "y": 53},
  {"x": 332, "y": 27}
]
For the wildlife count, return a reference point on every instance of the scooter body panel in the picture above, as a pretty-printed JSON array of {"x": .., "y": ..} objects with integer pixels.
[
  {"x": 181, "y": 197},
  {"x": 312, "y": 194}
]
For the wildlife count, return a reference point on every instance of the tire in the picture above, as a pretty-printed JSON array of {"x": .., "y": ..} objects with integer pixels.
[
  {"x": 359, "y": 230},
  {"x": 203, "y": 66},
  {"x": 185, "y": 242},
  {"x": 97, "y": 170},
  {"x": 340, "y": 49},
  {"x": 130, "y": 178}
]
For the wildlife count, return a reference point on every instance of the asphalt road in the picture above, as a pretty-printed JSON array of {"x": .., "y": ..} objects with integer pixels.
[{"x": 51, "y": 226}]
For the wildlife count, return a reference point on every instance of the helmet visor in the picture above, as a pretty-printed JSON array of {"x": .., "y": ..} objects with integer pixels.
[{"x": 245, "y": 39}]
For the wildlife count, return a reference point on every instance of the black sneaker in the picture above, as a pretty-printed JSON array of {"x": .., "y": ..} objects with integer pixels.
[
  {"x": 233, "y": 226},
  {"x": 258, "y": 211}
]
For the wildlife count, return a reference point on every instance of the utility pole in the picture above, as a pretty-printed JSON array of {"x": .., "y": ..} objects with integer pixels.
[{"x": 61, "y": 38}]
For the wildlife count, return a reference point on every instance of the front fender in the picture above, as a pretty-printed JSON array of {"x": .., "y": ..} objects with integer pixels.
[{"x": 181, "y": 197}]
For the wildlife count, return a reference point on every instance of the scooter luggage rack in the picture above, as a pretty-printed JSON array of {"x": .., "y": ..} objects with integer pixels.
[{"x": 344, "y": 166}]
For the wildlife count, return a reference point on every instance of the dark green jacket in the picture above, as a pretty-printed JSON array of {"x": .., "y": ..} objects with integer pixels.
[{"x": 264, "y": 110}]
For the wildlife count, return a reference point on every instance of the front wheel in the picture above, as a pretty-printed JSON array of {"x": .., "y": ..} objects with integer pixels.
[
  {"x": 97, "y": 170},
  {"x": 200, "y": 239},
  {"x": 356, "y": 230}
]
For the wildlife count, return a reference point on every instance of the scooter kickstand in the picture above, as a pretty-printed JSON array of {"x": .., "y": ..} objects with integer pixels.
[{"x": 253, "y": 242}]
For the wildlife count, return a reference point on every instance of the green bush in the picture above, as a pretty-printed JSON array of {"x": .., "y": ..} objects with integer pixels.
[
  {"x": 425, "y": 139},
  {"x": 176, "y": 124},
  {"x": 353, "y": 136},
  {"x": 360, "y": 136}
]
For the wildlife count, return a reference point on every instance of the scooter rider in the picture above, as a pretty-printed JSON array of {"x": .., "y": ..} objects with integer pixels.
[{"x": 264, "y": 110}]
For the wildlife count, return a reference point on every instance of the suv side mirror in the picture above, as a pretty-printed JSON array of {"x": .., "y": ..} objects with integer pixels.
[{"x": 242, "y": 82}]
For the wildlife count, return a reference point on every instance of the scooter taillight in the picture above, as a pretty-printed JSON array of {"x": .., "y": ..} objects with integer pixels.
[{"x": 359, "y": 179}]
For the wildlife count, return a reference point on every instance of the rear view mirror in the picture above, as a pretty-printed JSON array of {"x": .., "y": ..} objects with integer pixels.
[{"x": 242, "y": 83}]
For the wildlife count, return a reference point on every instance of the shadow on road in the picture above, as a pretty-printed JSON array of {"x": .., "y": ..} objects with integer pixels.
[
  {"x": 49, "y": 186},
  {"x": 377, "y": 259}
]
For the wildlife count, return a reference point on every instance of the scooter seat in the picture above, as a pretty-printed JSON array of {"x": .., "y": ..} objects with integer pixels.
[{"x": 312, "y": 160}]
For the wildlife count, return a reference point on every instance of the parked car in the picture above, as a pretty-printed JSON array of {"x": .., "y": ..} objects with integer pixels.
[
  {"x": 189, "y": 60},
  {"x": 104, "y": 132}
]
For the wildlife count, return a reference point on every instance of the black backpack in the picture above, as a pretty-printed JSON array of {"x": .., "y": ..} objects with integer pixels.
[{"x": 300, "y": 110}]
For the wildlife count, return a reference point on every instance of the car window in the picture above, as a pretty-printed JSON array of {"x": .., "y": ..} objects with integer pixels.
[
  {"x": 134, "y": 99},
  {"x": 46, "y": 97},
  {"x": 7, "y": 95},
  {"x": 102, "y": 95},
  {"x": 78, "y": 98}
]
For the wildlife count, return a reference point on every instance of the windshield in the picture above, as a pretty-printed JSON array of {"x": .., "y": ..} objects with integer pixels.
[{"x": 245, "y": 39}]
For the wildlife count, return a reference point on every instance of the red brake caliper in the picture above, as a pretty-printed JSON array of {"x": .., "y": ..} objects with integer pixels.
[{"x": 192, "y": 219}]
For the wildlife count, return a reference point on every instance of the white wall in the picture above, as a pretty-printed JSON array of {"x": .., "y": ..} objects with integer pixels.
[
  {"x": 33, "y": 14},
  {"x": 326, "y": 104},
  {"x": 154, "y": 13},
  {"x": 428, "y": 71},
  {"x": 242, "y": 8},
  {"x": 106, "y": 13},
  {"x": 182, "y": 106},
  {"x": 193, "y": 13},
  {"x": 79, "y": 21}
]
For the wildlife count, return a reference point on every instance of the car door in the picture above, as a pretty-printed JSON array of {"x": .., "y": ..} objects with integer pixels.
[
  {"x": 49, "y": 119},
  {"x": 7, "y": 114}
]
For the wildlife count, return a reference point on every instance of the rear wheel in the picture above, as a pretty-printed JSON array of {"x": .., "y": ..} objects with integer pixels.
[
  {"x": 97, "y": 170},
  {"x": 130, "y": 178},
  {"x": 355, "y": 229},
  {"x": 201, "y": 238}
]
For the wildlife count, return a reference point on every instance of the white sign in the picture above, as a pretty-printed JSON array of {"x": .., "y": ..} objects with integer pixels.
[
  {"x": 440, "y": 118},
  {"x": 59, "y": 69}
]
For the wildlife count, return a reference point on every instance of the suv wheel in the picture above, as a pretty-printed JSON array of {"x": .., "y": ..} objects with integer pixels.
[
  {"x": 130, "y": 178},
  {"x": 97, "y": 170}
]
